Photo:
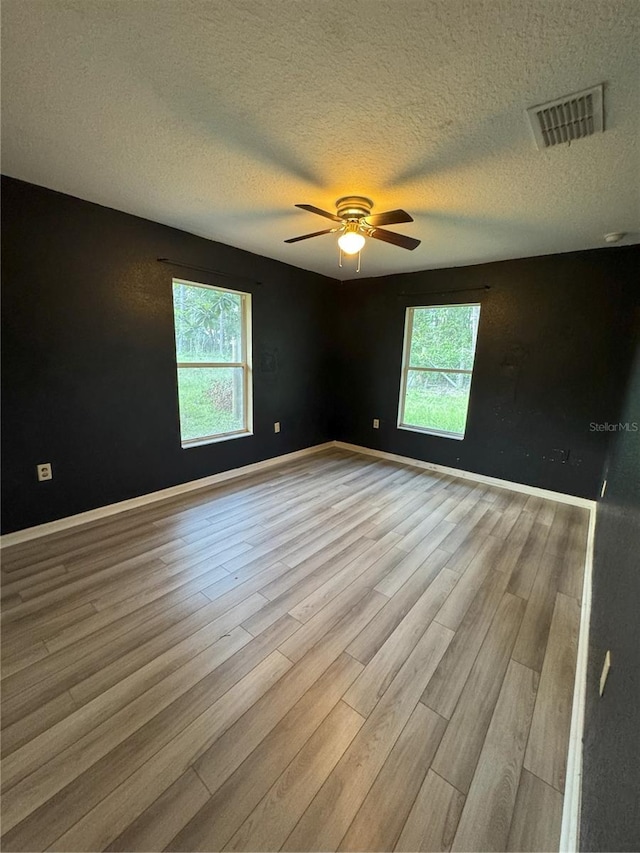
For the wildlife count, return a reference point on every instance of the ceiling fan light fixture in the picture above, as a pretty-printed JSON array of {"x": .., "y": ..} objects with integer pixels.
[
  {"x": 351, "y": 242},
  {"x": 355, "y": 222}
]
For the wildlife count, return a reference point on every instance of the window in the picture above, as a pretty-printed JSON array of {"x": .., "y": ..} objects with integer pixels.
[
  {"x": 213, "y": 354},
  {"x": 437, "y": 364}
]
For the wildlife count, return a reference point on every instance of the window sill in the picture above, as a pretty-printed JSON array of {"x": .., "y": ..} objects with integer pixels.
[
  {"x": 215, "y": 439},
  {"x": 438, "y": 433}
]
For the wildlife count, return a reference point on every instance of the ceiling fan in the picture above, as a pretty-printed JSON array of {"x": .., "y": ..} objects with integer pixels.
[{"x": 356, "y": 222}]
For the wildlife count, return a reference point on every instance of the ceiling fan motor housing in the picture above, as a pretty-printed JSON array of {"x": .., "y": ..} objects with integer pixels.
[{"x": 353, "y": 207}]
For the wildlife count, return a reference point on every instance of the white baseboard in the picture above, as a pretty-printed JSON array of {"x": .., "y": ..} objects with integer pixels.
[
  {"x": 570, "y": 832},
  {"x": 470, "y": 475},
  {"x": 112, "y": 509},
  {"x": 571, "y": 810},
  {"x": 569, "y": 838}
]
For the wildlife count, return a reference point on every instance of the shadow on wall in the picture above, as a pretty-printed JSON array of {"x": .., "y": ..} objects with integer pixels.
[{"x": 611, "y": 771}]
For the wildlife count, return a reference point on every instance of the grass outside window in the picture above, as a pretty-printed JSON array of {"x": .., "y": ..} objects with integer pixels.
[
  {"x": 437, "y": 367},
  {"x": 213, "y": 358}
]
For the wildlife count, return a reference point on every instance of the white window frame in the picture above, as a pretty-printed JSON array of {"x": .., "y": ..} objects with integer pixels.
[
  {"x": 406, "y": 367},
  {"x": 245, "y": 364}
]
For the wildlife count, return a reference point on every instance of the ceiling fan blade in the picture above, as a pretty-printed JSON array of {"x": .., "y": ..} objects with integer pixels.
[
  {"x": 319, "y": 211},
  {"x": 389, "y": 217},
  {"x": 307, "y": 236},
  {"x": 397, "y": 239}
]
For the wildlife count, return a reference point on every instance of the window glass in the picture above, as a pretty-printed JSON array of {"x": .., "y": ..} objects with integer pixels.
[
  {"x": 439, "y": 351},
  {"x": 213, "y": 361}
]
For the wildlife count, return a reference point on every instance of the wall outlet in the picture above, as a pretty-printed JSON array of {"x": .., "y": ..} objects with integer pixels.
[
  {"x": 606, "y": 666},
  {"x": 276, "y": 426},
  {"x": 44, "y": 471},
  {"x": 376, "y": 423}
]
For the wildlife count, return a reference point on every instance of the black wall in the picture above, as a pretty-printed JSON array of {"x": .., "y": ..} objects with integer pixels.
[
  {"x": 550, "y": 360},
  {"x": 89, "y": 385},
  {"x": 611, "y": 789},
  {"x": 89, "y": 372},
  {"x": 88, "y": 356}
]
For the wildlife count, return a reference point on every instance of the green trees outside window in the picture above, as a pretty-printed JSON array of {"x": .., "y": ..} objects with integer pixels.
[
  {"x": 212, "y": 327},
  {"x": 439, "y": 351}
]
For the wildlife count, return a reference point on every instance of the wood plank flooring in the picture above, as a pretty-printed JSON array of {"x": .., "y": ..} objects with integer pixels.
[{"x": 337, "y": 653}]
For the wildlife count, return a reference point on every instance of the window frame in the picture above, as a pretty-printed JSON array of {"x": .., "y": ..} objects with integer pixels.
[
  {"x": 245, "y": 364},
  {"x": 406, "y": 367}
]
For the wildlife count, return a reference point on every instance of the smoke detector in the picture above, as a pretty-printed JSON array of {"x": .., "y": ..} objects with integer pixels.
[{"x": 567, "y": 118}]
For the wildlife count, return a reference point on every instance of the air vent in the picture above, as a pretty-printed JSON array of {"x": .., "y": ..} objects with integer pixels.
[{"x": 565, "y": 119}]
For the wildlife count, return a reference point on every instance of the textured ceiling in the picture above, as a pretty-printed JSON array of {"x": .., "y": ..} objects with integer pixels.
[{"x": 217, "y": 117}]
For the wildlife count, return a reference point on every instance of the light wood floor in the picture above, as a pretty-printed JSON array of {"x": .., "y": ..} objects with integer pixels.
[{"x": 338, "y": 653}]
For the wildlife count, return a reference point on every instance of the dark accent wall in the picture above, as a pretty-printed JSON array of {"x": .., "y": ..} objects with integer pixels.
[
  {"x": 89, "y": 385},
  {"x": 550, "y": 361},
  {"x": 88, "y": 360},
  {"x": 611, "y": 788},
  {"x": 89, "y": 368}
]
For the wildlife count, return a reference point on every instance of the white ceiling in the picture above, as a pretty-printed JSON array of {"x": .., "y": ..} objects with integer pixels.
[{"x": 217, "y": 116}]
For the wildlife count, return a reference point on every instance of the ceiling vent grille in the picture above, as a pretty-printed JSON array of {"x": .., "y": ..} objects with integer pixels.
[{"x": 568, "y": 118}]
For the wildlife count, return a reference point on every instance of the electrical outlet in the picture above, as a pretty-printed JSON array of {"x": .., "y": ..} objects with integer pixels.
[
  {"x": 44, "y": 471},
  {"x": 376, "y": 423},
  {"x": 606, "y": 666},
  {"x": 276, "y": 426}
]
